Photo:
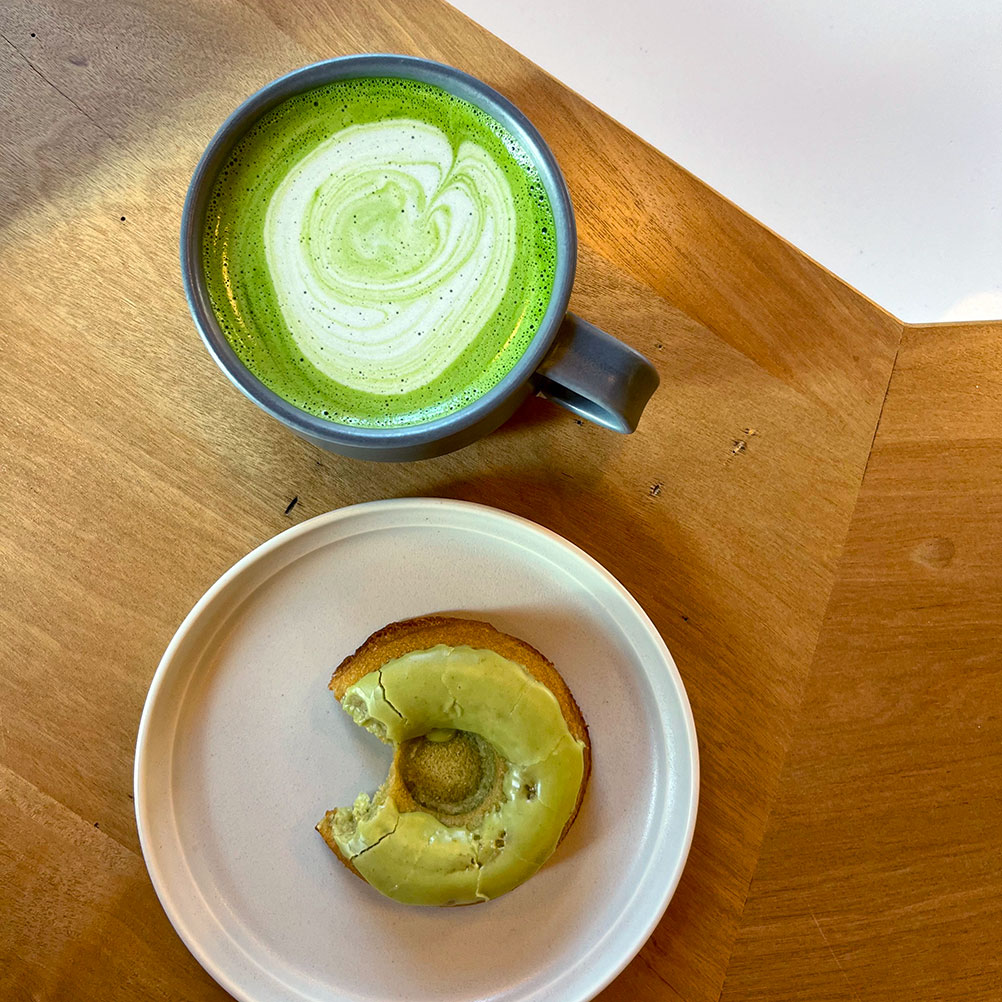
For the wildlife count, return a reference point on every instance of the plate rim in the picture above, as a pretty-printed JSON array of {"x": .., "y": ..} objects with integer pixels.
[{"x": 261, "y": 551}]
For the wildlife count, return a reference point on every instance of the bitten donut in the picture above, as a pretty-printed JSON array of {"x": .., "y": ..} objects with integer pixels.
[{"x": 491, "y": 760}]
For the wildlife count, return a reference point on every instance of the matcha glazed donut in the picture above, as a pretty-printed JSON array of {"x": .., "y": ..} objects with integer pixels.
[{"x": 491, "y": 760}]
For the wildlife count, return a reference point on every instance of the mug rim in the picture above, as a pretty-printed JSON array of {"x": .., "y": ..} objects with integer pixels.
[{"x": 457, "y": 83}]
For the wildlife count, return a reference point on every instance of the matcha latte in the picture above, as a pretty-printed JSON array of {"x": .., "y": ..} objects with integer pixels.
[{"x": 378, "y": 252}]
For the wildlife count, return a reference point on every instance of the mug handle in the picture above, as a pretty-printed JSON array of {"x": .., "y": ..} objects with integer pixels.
[{"x": 596, "y": 376}]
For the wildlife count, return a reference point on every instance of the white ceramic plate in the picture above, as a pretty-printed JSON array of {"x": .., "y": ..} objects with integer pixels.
[{"x": 242, "y": 748}]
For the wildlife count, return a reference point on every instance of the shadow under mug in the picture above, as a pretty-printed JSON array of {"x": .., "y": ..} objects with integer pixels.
[{"x": 570, "y": 361}]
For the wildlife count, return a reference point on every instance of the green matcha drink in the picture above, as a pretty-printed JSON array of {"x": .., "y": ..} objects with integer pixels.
[{"x": 379, "y": 252}]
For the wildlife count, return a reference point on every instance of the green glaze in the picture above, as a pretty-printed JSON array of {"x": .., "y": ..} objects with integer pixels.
[
  {"x": 416, "y": 857},
  {"x": 378, "y": 252}
]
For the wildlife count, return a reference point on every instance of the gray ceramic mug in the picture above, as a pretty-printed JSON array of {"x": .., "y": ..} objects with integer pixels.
[{"x": 570, "y": 361}]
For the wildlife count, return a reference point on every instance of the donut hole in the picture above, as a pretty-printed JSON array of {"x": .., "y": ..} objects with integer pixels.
[{"x": 449, "y": 774}]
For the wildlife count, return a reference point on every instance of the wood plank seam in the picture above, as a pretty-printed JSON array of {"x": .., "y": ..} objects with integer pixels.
[{"x": 66, "y": 97}]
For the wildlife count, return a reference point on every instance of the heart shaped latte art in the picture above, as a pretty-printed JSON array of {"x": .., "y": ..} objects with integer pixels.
[{"x": 389, "y": 251}]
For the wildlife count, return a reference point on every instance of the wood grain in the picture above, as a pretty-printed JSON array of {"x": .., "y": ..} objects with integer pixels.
[
  {"x": 84, "y": 922},
  {"x": 880, "y": 877},
  {"x": 133, "y": 474}
]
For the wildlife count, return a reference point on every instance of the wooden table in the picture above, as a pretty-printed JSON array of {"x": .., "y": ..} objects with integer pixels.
[{"x": 810, "y": 513}]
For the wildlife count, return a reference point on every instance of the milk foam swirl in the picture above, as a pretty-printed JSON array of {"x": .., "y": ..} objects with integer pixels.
[{"x": 389, "y": 251}]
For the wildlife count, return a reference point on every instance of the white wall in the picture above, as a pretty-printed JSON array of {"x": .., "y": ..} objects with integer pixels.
[{"x": 869, "y": 134}]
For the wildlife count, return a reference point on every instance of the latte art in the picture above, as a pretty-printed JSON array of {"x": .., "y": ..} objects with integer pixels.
[
  {"x": 379, "y": 252},
  {"x": 389, "y": 252}
]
